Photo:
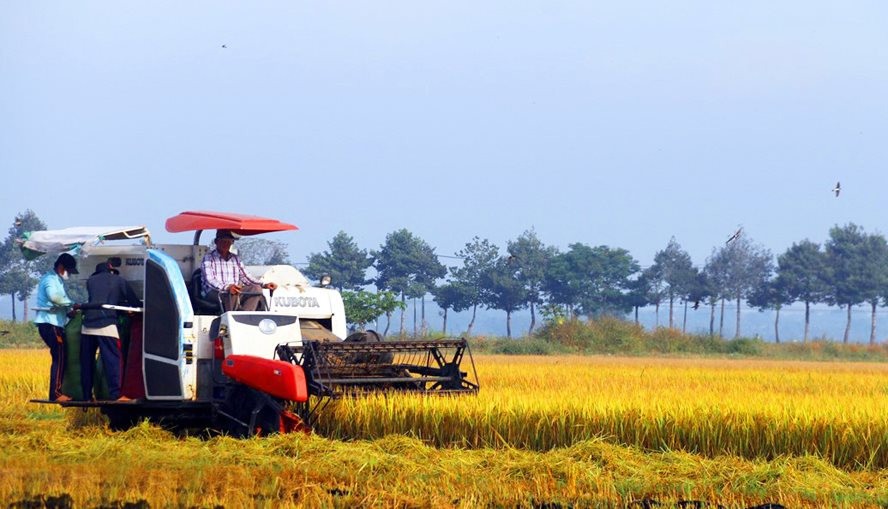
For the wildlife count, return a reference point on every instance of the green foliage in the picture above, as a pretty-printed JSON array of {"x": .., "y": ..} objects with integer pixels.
[
  {"x": 531, "y": 257},
  {"x": 639, "y": 291},
  {"x": 716, "y": 273},
  {"x": 700, "y": 288},
  {"x": 857, "y": 270},
  {"x": 856, "y": 265},
  {"x": 456, "y": 296},
  {"x": 553, "y": 313},
  {"x": 19, "y": 335},
  {"x": 503, "y": 289},
  {"x": 823, "y": 350},
  {"x": 802, "y": 268},
  {"x": 736, "y": 270},
  {"x": 479, "y": 257},
  {"x": 19, "y": 276},
  {"x": 745, "y": 266},
  {"x": 770, "y": 294},
  {"x": 344, "y": 261},
  {"x": 407, "y": 265},
  {"x": 673, "y": 266},
  {"x": 362, "y": 307},
  {"x": 608, "y": 335},
  {"x": 523, "y": 346},
  {"x": 592, "y": 280}
]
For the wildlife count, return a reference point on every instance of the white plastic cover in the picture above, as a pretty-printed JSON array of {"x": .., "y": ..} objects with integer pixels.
[
  {"x": 281, "y": 275},
  {"x": 66, "y": 239}
]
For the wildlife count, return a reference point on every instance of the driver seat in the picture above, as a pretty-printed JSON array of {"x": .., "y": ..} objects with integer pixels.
[{"x": 200, "y": 303}]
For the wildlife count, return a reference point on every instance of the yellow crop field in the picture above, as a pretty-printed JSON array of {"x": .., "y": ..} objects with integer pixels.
[
  {"x": 562, "y": 430},
  {"x": 751, "y": 409}
]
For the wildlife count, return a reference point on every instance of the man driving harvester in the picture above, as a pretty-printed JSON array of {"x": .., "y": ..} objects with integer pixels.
[{"x": 224, "y": 276}]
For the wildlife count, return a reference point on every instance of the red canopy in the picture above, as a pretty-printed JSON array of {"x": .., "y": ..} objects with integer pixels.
[{"x": 240, "y": 224}]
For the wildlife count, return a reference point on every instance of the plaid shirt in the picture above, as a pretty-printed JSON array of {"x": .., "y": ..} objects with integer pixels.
[{"x": 219, "y": 273}]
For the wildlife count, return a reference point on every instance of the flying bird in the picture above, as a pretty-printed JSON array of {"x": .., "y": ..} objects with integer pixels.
[
  {"x": 224, "y": 46},
  {"x": 735, "y": 236},
  {"x": 696, "y": 305},
  {"x": 838, "y": 188}
]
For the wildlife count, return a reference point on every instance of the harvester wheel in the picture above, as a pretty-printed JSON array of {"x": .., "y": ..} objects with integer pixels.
[{"x": 238, "y": 410}]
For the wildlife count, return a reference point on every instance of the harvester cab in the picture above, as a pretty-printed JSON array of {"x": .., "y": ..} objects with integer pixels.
[{"x": 189, "y": 363}]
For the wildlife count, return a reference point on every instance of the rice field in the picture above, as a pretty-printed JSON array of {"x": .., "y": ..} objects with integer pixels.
[
  {"x": 752, "y": 409},
  {"x": 544, "y": 432}
]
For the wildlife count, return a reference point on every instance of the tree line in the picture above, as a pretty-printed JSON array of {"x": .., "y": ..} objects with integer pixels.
[{"x": 849, "y": 269}]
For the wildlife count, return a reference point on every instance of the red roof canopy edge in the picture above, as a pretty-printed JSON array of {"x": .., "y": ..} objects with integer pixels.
[{"x": 241, "y": 224}]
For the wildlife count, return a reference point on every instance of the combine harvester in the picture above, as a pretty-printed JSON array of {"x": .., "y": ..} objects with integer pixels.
[{"x": 189, "y": 365}]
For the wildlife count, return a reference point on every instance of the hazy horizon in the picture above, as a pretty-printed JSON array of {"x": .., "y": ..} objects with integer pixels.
[{"x": 620, "y": 124}]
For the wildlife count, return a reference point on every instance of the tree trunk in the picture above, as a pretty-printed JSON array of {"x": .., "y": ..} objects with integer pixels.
[
  {"x": 807, "y": 319},
  {"x": 425, "y": 326},
  {"x": 671, "y": 299},
  {"x": 444, "y": 331},
  {"x": 25, "y": 315},
  {"x": 847, "y": 326},
  {"x": 636, "y": 315},
  {"x": 414, "y": 317},
  {"x": 777, "y": 326},
  {"x": 737, "y": 330},
  {"x": 721, "y": 320},
  {"x": 12, "y": 301},
  {"x": 684, "y": 321},
  {"x": 872, "y": 327},
  {"x": 388, "y": 323},
  {"x": 657, "y": 314},
  {"x": 711, "y": 318},
  {"x": 472, "y": 322},
  {"x": 403, "y": 310},
  {"x": 533, "y": 319},
  {"x": 509, "y": 324}
]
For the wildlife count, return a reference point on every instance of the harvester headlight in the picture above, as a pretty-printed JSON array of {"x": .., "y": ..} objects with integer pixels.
[
  {"x": 326, "y": 279},
  {"x": 267, "y": 326}
]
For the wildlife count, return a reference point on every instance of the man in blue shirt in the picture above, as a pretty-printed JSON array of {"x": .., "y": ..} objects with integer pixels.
[{"x": 54, "y": 304}]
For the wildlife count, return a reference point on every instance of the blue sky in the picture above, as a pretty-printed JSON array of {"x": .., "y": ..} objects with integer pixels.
[{"x": 619, "y": 123}]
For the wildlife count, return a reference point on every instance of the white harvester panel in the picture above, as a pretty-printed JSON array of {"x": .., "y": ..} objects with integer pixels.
[
  {"x": 295, "y": 295},
  {"x": 258, "y": 333}
]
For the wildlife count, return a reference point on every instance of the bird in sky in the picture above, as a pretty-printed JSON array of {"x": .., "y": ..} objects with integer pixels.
[
  {"x": 224, "y": 46},
  {"x": 837, "y": 189},
  {"x": 735, "y": 236}
]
